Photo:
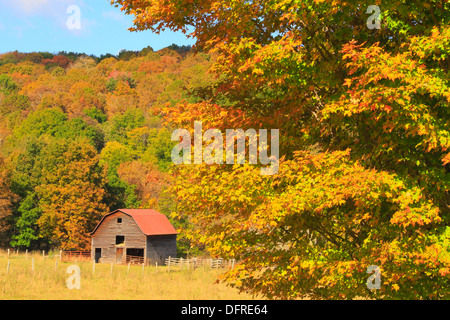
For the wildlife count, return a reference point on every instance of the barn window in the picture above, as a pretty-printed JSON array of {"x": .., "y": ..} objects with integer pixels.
[
  {"x": 119, "y": 220},
  {"x": 120, "y": 240}
]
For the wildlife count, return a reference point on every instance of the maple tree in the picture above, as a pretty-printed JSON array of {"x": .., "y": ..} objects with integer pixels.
[{"x": 363, "y": 115}]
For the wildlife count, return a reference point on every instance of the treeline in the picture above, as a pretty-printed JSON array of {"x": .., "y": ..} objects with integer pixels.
[
  {"x": 81, "y": 136},
  {"x": 64, "y": 58}
]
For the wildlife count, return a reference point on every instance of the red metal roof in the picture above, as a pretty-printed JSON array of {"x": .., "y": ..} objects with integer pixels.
[{"x": 150, "y": 222}]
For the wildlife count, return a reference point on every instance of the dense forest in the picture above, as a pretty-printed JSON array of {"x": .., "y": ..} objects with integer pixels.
[{"x": 82, "y": 135}]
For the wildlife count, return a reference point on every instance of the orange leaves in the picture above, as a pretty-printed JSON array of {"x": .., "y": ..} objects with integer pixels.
[
  {"x": 148, "y": 180},
  {"x": 390, "y": 90},
  {"x": 211, "y": 115},
  {"x": 71, "y": 197},
  {"x": 416, "y": 217},
  {"x": 444, "y": 272},
  {"x": 446, "y": 159}
]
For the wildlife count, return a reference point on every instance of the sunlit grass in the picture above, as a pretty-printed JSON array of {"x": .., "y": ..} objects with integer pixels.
[{"x": 48, "y": 281}]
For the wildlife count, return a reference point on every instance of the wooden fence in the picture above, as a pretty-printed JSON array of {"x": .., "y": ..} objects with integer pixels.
[
  {"x": 134, "y": 259},
  {"x": 174, "y": 263},
  {"x": 180, "y": 263},
  {"x": 76, "y": 255}
]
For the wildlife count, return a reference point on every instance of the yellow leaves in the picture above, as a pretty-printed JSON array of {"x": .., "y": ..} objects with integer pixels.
[
  {"x": 257, "y": 71},
  {"x": 422, "y": 130}
]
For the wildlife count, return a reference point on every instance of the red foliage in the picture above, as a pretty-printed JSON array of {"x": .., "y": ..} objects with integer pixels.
[{"x": 60, "y": 61}]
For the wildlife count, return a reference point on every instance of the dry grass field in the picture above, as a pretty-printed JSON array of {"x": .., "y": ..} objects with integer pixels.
[{"x": 48, "y": 281}]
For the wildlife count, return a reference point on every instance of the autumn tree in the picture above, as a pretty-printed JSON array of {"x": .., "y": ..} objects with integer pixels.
[
  {"x": 36, "y": 149},
  {"x": 149, "y": 181},
  {"x": 57, "y": 61},
  {"x": 120, "y": 124},
  {"x": 7, "y": 85},
  {"x": 363, "y": 115},
  {"x": 7, "y": 198},
  {"x": 119, "y": 193},
  {"x": 55, "y": 123},
  {"x": 71, "y": 194}
]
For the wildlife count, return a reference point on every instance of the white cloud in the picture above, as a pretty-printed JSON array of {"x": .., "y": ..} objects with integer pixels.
[
  {"x": 38, "y": 7},
  {"x": 30, "y": 6},
  {"x": 52, "y": 10}
]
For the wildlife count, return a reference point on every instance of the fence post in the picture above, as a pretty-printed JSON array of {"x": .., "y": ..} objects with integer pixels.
[
  {"x": 26, "y": 254},
  {"x": 43, "y": 254},
  {"x": 169, "y": 263},
  {"x": 156, "y": 270},
  {"x": 7, "y": 267}
]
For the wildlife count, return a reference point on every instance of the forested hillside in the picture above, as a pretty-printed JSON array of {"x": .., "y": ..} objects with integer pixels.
[{"x": 81, "y": 136}]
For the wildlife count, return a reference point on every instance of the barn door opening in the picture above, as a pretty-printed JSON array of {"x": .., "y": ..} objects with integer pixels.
[
  {"x": 119, "y": 254},
  {"x": 135, "y": 255},
  {"x": 98, "y": 254}
]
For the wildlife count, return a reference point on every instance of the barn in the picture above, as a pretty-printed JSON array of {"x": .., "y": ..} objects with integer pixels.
[{"x": 133, "y": 235}]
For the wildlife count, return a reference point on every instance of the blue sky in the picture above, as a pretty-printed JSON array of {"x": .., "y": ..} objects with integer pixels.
[{"x": 41, "y": 25}]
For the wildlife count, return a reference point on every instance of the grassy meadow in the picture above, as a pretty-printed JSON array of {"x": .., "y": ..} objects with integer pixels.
[{"x": 48, "y": 281}]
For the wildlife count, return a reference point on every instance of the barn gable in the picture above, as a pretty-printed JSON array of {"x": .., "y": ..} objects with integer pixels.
[{"x": 150, "y": 222}]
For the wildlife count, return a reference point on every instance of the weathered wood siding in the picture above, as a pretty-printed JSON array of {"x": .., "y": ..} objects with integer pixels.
[
  {"x": 105, "y": 236},
  {"x": 160, "y": 247}
]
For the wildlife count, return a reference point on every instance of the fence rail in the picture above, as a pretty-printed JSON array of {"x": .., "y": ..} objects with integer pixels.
[
  {"x": 199, "y": 262},
  {"x": 75, "y": 255},
  {"x": 174, "y": 263},
  {"x": 134, "y": 259}
]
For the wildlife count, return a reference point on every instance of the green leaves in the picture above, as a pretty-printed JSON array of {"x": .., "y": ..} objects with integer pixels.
[{"x": 7, "y": 85}]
